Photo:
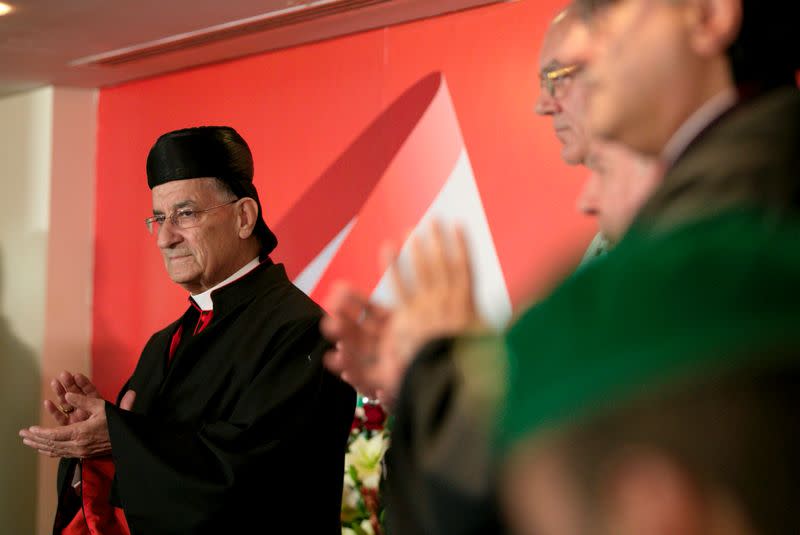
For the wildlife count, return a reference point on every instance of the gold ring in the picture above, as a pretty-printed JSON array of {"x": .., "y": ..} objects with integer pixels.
[{"x": 66, "y": 409}]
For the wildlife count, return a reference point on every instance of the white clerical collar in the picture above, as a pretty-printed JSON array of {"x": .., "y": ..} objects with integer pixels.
[
  {"x": 699, "y": 120},
  {"x": 203, "y": 300}
]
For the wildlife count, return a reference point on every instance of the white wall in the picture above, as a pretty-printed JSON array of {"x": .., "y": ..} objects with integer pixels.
[
  {"x": 70, "y": 259},
  {"x": 25, "y": 148},
  {"x": 47, "y": 179}
]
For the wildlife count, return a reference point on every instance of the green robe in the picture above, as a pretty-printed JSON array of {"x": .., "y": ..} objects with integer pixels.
[{"x": 708, "y": 296}]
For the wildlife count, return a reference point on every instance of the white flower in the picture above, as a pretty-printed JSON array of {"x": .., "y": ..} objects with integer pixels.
[
  {"x": 348, "y": 531},
  {"x": 350, "y": 497},
  {"x": 366, "y": 527},
  {"x": 365, "y": 455},
  {"x": 348, "y": 477}
]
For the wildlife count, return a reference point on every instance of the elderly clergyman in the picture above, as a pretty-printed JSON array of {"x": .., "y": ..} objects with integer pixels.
[{"x": 229, "y": 423}]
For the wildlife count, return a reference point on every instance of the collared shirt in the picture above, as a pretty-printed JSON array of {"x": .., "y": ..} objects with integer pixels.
[
  {"x": 203, "y": 300},
  {"x": 696, "y": 123},
  {"x": 597, "y": 248}
]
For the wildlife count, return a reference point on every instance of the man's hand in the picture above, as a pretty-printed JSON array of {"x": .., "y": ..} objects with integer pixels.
[
  {"x": 87, "y": 438},
  {"x": 60, "y": 410},
  {"x": 355, "y": 325},
  {"x": 375, "y": 345},
  {"x": 433, "y": 301}
]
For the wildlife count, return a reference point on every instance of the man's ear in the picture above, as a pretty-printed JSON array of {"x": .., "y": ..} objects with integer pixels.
[
  {"x": 713, "y": 25},
  {"x": 246, "y": 216},
  {"x": 648, "y": 494}
]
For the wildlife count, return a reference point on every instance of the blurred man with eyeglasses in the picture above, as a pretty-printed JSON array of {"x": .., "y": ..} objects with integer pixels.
[
  {"x": 559, "y": 97},
  {"x": 229, "y": 414},
  {"x": 621, "y": 179}
]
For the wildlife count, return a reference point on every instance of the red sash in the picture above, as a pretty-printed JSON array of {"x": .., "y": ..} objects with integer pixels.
[{"x": 97, "y": 516}]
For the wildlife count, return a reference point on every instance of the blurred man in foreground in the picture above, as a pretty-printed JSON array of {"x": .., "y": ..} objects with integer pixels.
[{"x": 679, "y": 416}]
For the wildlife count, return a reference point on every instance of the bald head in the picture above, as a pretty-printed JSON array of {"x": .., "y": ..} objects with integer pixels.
[{"x": 562, "y": 97}]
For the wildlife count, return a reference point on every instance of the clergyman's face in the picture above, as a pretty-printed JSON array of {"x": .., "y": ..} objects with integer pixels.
[
  {"x": 567, "y": 104},
  {"x": 620, "y": 182},
  {"x": 199, "y": 257}
]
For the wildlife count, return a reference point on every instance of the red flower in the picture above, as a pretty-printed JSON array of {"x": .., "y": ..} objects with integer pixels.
[
  {"x": 375, "y": 417},
  {"x": 373, "y": 503}
]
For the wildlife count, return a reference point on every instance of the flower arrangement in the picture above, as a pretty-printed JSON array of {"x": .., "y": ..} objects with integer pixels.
[{"x": 362, "y": 511}]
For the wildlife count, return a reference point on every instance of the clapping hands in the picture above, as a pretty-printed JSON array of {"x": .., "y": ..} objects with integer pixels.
[{"x": 375, "y": 345}]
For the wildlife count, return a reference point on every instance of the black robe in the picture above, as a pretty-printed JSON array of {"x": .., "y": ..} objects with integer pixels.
[{"x": 243, "y": 431}]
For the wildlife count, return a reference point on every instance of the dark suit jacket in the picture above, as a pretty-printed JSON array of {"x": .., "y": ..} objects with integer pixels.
[{"x": 749, "y": 157}]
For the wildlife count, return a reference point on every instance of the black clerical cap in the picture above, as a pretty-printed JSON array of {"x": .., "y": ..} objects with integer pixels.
[{"x": 209, "y": 151}]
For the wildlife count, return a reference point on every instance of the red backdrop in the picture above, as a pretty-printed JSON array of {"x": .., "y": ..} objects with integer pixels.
[{"x": 299, "y": 109}]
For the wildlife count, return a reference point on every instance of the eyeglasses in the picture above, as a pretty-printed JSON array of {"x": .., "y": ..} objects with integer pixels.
[
  {"x": 552, "y": 79},
  {"x": 181, "y": 218}
]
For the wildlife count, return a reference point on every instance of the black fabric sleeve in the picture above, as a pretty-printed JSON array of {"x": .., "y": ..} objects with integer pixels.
[{"x": 440, "y": 446}]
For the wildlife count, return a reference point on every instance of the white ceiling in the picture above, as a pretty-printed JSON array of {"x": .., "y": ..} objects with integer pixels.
[{"x": 41, "y": 38}]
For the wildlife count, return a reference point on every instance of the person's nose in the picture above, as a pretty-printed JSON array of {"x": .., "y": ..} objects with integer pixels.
[
  {"x": 168, "y": 235},
  {"x": 577, "y": 48},
  {"x": 546, "y": 104}
]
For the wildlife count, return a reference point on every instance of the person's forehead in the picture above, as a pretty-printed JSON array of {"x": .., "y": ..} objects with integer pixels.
[
  {"x": 554, "y": 39},
  {"x": 575, "y": 44},
  {"x": 182, "y": 191}
]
